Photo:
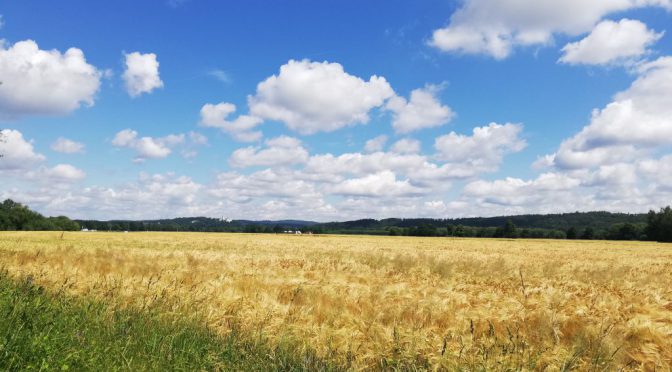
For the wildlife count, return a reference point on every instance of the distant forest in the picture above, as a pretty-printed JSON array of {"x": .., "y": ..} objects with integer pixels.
[
  {"x": 588, "y": 225},
  {"x": 656, "y": 226}
]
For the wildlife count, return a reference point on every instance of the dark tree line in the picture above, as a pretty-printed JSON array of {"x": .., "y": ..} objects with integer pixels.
[
  {"x": 199, "y": 224},
  {"x": 655, "y": 226},
  {"x": 597, "y": 221},
  {"x": 508, "y": 231},
  {"x": 593, "y": 225},
  {"x": 15, "y": 216}
]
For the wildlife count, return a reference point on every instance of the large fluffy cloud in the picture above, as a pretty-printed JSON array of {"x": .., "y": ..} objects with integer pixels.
[
  {"x": 638, "y": 120},
  {"x": 241, "y": 128},
  {"x": 44, "y": 82},
  {"x": 611, "y": 42},
  {"x": 141, "y": 74},
  {"x": 423, "y": 110},
  {"x": 614, "y": 163},
  {"x": 495, "y": 27},
  {"x": 312, "y": 97}
]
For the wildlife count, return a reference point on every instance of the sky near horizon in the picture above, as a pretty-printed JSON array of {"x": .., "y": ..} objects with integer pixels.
[{"x": 328, "y": 111}]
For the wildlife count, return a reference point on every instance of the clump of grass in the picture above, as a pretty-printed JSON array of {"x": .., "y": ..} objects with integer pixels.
[{"x": 43, "y": 331}]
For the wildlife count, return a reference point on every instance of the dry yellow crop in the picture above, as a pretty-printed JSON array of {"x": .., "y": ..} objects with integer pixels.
[{"x": 436, "y": 302}]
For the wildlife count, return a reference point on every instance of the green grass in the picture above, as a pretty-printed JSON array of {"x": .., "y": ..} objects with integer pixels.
[{"x": 44, "y": 331}]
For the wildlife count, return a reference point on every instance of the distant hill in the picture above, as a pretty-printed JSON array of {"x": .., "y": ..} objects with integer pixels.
[
  {"x": 594, "y": 220},
  {"x": 205, "y": 224},
  {"x": 284, "y": 223},
  {"x": 562, "y": 222}
]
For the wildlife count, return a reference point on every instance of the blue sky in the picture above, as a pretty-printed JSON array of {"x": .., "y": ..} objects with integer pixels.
[{"x": 342, "y": 109}]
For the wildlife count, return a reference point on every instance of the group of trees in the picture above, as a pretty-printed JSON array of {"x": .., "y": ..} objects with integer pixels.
[
  {"x": 15, "y": 216},
  {"x": 659, "y": 225},
  {"x": 509, "y": 231},
  {"x": 657, "y": 228}
]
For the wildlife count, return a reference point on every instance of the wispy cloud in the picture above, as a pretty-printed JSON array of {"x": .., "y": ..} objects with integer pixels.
[{"x": 220, "y": 75}]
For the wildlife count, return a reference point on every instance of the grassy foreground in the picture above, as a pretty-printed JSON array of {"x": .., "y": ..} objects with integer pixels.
[
  {"x": 368, "y": 303},
  {"x": 42, "y": 331}
]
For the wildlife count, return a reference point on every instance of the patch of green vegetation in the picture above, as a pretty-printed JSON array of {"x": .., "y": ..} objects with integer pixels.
[{"x": 44, "y": 331}]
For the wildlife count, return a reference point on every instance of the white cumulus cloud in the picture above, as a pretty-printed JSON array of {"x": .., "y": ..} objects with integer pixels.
[
  {"x": 241, "y": 128},
  {"x": 423, "y": 110},
  {"x": 147, "y": 147},
  {"x": 484, "y": 149},
  {"x": 495, "y": 27},
  {"x": 44, "y": 82},
  {"x": 638, "y": 120},
  {"x": 611, "y": 42},
  {"x": 311, "y": 97},
  {"x": 16, "y": 152},
  {"x": 141, "y": 74},
  {"x": 279, "y": 151}
]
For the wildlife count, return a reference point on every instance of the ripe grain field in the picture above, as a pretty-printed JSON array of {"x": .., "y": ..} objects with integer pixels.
[{"x": 366, "y": 302}]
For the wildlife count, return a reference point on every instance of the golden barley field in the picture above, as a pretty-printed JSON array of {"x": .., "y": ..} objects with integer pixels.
[{"x": 363, "y": 301}]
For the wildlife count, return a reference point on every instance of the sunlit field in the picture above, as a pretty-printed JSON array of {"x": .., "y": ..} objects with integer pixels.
[{"x": 365, "y": 302}]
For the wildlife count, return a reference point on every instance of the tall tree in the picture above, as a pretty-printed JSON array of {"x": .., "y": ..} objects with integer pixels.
[
  {"x": 659, "y": 225},
  {"x": 509, "y": 229}
]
